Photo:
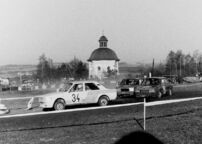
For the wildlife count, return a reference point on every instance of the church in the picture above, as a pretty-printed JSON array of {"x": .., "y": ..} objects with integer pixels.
[{"x": 103, "y": 60}]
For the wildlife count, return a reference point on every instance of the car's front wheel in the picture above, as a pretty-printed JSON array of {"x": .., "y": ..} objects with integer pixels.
[
  {"x": 103, "y": 101},
  {"x": 59, "y": 104}
]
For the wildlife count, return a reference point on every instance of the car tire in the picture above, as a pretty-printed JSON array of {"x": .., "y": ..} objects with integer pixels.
[
  {"x": 159, "y": 94},
  {"x": 103, "y": 101},
  {"x": 59, "y": 104},
  {"x": 170, "y": 92}
]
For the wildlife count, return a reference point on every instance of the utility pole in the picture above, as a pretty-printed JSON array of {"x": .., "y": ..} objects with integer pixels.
[
  {"x": 153, "y": 67},
  {"x": 180, "y": 67},
  {"x": 170, "y": 70}
]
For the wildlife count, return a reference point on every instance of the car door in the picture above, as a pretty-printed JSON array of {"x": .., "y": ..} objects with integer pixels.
[
  {"x": 77, "y": 94},
  {"x": 92, "y": 91}
]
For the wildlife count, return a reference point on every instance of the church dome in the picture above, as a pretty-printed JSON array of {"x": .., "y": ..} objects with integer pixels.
[{"x": 103, "y": 54}]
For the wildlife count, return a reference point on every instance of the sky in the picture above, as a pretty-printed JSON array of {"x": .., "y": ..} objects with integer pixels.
[{"x": 137, "y": 30}]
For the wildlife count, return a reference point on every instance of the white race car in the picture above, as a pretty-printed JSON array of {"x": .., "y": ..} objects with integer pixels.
[{"x": 78, "y": 92}]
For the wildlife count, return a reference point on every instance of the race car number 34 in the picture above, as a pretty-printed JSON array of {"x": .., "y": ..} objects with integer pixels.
[{"x": 75, "y": 97}]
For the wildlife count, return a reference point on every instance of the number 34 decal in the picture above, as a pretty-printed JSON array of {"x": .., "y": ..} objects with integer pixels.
[{"x": 75, "y": 97}]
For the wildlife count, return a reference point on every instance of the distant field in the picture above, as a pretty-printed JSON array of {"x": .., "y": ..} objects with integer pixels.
[
  {"x": 10, "y": 94},
  {"x": 10, "y": 71}
]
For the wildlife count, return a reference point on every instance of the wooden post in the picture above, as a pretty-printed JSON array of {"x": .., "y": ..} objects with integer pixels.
[{"x": 144, "y": 113}]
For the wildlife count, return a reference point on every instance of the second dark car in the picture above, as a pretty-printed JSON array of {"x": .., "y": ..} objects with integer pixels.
[
  {"x": 154, "y": 87},
  {"x": 128, "y": 86}
]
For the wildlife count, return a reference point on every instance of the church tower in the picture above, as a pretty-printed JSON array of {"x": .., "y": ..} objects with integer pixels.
[
  {"x": 102, "y": 60},
  {"x": 103, "y": 42}
]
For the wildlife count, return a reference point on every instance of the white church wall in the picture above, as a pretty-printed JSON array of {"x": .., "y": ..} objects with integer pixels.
[{"x": 96, "y": 68}]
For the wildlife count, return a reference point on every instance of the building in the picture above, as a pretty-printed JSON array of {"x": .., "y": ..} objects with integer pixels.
[{"x": 102, "y": 60}]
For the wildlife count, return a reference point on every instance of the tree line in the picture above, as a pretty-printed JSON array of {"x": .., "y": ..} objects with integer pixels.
[
  {"x": 180, "y": 64},
  {"x": 176, "y": 64},
  {"x": 47, "y": 71}
]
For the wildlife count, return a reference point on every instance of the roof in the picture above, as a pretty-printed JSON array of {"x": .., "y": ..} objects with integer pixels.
[
  {"x": 103, "y": 38},
  {"x": 103, "y": 54}
]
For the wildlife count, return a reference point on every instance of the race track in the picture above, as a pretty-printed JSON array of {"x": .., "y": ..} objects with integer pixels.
[{"x": 52, "y": 124}]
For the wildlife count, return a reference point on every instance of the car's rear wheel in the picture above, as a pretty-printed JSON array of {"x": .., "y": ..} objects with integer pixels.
[
  {"x": 59, "y": 104},
  {"x": 103, "y": 101}
]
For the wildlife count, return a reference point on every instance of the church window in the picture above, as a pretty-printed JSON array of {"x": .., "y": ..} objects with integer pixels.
[
  {"x": 101, "y": 44},
  {"x": 105, "y": 44}
]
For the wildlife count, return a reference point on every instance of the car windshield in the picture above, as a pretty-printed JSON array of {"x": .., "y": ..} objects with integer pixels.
[
  {"x": 65, "y": 87},
  {"x": 129, "y": 82},
  {"x": 151, "y": 81}
]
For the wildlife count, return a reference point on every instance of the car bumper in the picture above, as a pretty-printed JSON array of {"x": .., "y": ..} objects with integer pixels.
[
  {"x": 139, "y": 95},
  {"x": 126, "y": 93},
  {"x": 45, "y": 103}
]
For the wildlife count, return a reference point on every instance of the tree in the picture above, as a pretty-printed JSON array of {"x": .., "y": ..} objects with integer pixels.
[
  {"x": 170, "y": 63},
  {"x": 159, "y": 70},
  {"x": 78, "y": 69},
  {"x": 180, "y": 64},
  {"x": 43, "y": 69}
]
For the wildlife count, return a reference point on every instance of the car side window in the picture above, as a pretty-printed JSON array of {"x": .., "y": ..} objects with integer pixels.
[
  {"x": 77, "y": 88},
  {"x": 91, "y": 86}
]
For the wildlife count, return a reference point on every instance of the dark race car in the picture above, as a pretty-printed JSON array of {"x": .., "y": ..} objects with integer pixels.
[
  {"x": 154, "y": 87},
  {"x": 127, "y": 87}
]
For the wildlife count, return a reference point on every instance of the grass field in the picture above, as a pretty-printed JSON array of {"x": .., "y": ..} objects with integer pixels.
[{"x": 173, "y": 124}]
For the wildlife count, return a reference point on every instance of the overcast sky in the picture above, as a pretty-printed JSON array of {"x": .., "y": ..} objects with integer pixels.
[{"x": 137, "y": 30}]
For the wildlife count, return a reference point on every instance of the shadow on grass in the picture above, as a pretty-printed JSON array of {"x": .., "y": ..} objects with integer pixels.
[{"x": 139, "y": 137}]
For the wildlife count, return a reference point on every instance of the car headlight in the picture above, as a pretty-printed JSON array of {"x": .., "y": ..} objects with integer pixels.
[{"x": 131, "y": 89}]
